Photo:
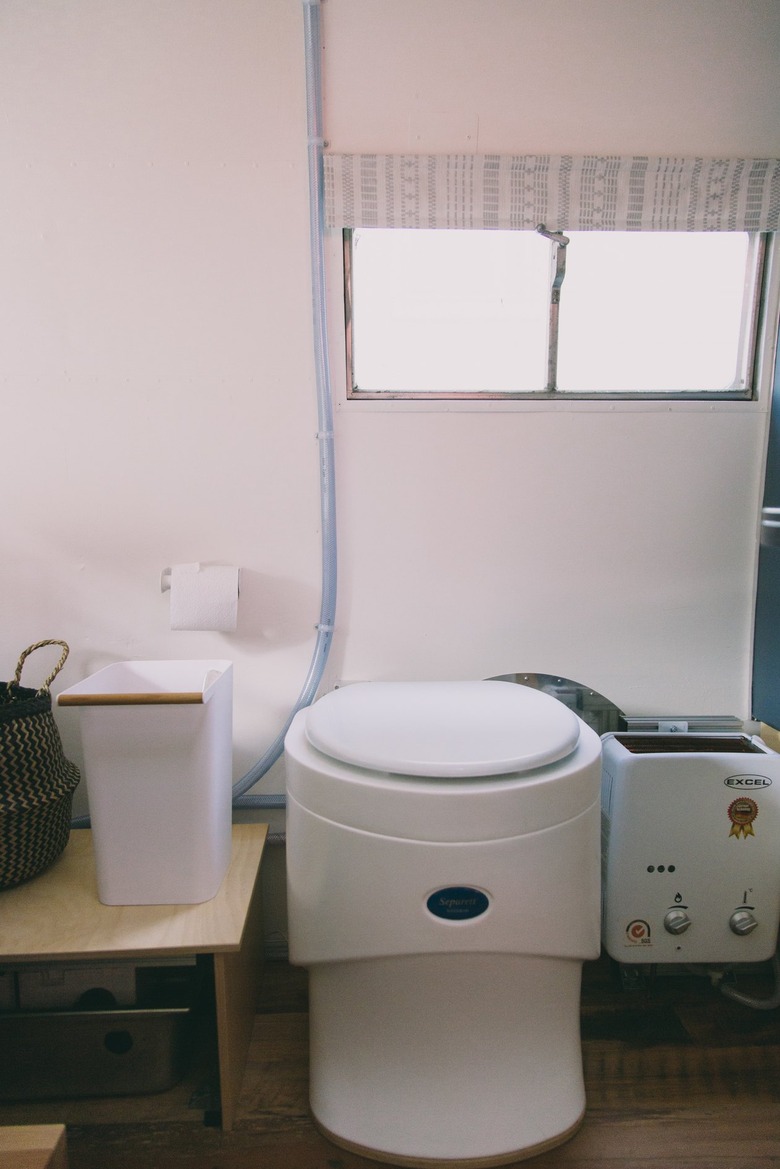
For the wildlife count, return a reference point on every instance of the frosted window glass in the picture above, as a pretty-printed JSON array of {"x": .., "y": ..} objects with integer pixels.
[
  {"x": 455, "y": 311},
  {"x": 652, "y": 312}
]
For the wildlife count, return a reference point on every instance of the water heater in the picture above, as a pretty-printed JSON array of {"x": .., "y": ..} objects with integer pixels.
[{"x": 690, "y": 848}]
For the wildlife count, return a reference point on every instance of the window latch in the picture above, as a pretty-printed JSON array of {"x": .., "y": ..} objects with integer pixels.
[{"x": 561, "y": 240}]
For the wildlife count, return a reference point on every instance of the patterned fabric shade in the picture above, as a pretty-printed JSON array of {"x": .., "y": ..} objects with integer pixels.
[{"x": 590, "y": 193}]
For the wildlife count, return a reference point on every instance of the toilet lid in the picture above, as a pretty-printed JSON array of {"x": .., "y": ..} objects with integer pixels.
[{"x": 444, "y": 729}]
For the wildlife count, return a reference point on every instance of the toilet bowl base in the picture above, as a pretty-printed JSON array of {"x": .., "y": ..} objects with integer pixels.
[
  {"x": 449, "y": 1163},
  {"x": 467, "y": 1060}
]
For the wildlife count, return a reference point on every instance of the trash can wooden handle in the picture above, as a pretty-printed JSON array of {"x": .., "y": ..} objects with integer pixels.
[{"x": 166, "y": 698}]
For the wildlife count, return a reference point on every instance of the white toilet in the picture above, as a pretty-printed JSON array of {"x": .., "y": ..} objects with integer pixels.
[{"x": 443, "y": 891}]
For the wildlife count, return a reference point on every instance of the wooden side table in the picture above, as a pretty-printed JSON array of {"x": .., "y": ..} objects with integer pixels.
[
  {"x": 58, "y": 916},
  {"x": 33, "y": 1146}
]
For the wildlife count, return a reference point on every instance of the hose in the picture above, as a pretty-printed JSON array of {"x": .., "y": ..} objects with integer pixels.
[
  {"x": 325, "y": 627},
  {"x": 717, "y": 976},
  {"x": 767, "y": 1004}
]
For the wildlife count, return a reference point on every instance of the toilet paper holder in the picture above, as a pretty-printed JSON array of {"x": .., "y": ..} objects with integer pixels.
[{"x": 165, "y": 580}]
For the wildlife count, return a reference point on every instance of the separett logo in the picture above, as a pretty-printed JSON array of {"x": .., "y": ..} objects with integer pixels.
[{"x": 458, "y": 903}]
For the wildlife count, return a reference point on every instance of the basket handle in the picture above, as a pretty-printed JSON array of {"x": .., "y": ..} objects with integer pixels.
[{"x": 44, "y": 689}]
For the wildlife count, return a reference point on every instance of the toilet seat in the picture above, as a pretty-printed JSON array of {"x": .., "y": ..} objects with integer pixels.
[{"x": 442, "y": 729}]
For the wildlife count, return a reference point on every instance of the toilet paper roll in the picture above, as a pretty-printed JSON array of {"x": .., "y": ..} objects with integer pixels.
[{"x": 204, "y": 597}]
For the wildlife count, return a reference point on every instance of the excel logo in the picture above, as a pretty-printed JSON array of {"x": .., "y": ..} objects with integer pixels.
[{"x": 746, "y": 782}]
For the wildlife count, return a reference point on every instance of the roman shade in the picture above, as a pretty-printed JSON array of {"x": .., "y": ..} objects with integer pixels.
[{"x": 564, "y": 192}]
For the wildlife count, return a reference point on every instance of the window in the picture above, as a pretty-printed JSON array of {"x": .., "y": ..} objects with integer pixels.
[{"x": 521, "y": 314}]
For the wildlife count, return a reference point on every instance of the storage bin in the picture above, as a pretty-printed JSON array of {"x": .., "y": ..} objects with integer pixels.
[
  {"x": 157, "y": 742},
  {"x": 62, "y": 985},
  {"x": 69, "y": 1054}
]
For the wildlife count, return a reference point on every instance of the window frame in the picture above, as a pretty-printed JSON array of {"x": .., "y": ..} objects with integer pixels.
[{"x": 762, "y": 326}]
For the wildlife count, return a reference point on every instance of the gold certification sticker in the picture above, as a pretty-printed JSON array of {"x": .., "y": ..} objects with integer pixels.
[{"x": 742, "y": 813}]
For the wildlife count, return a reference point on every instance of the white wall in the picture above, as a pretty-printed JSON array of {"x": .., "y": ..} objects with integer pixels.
[
  {"x": 612, "y": 545},
  {"x": 156, "y": 357},
  {"x": 157, "y": 378},
  {"x": 696, "y": 77}
]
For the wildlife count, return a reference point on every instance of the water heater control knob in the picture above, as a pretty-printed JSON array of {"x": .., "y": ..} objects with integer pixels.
[
  {"x": 742, "y": 922},
  {"x": 676, "y": 921}
]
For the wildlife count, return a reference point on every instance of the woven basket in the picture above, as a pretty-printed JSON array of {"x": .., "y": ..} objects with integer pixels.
[{"x": 36, "y": 780}]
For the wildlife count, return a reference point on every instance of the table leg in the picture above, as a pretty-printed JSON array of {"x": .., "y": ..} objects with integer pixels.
[{"x": 236, "y": 982}]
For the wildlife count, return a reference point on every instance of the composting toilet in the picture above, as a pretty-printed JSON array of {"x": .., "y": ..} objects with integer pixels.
[{"x": 443, "y": 891}]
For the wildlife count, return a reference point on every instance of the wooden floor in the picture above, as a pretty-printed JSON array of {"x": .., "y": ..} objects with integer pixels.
[{"x": 677, "y": 1076}]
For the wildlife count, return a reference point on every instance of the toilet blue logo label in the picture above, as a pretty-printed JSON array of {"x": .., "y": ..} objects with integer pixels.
[{"x": 458, "y": 903}]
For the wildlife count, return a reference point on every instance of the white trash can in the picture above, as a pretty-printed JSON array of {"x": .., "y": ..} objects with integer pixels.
[{"x": 157, "y": 740}]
